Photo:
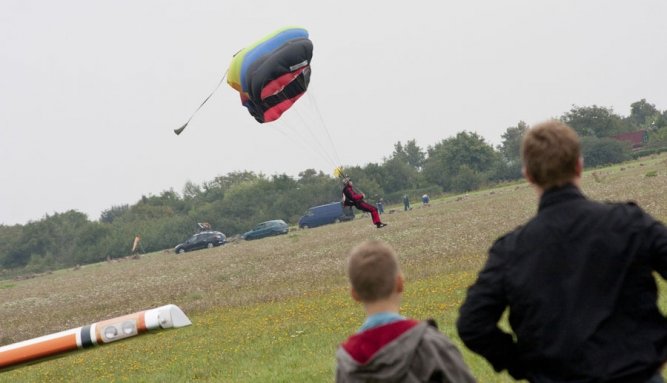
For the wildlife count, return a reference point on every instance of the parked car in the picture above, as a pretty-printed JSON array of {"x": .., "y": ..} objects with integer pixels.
[
  {"x": 266, "y": 229},
  {"x": 333, "y": 212},
  {"x": 201, "y": 240}
]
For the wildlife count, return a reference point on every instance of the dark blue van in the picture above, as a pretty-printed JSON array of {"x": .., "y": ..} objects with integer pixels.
[{"x": 324, "y": 214}]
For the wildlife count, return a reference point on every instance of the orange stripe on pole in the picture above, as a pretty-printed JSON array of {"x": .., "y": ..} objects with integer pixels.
[
  {"x": 141, "y": 322},
  {"x": 38, "y": 350}
]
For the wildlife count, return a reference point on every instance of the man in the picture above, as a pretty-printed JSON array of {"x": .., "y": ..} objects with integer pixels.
[
  {"x": 577, "y": 279},
  {"x": 352, "y": 198}
]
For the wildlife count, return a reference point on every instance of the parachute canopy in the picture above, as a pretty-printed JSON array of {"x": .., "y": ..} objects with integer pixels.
[{"x": 272, "y": 73}]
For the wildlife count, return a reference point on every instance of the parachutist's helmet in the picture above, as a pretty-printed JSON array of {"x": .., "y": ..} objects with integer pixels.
[{"x": 346, "y": 180}]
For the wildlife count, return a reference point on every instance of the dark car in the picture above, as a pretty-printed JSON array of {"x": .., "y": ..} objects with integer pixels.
[
  {"x": 266, "y": 229},
  {"x": 201, "y": 240}
]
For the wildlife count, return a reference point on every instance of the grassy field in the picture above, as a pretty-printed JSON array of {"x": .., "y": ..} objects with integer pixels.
[{"x": 276, "y": 309}]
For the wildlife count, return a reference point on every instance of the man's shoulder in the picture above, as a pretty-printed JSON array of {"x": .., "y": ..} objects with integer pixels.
[
  {"x": 510, "y": 237},
  {"x": 628, "y": 206},
  {"x": 589, "y": 206},
  {"x": 620, "y": 213},
  {"x": 612, "y": 213}
]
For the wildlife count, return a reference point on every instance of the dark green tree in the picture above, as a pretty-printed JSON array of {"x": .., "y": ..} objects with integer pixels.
[
  {"x": 191, "y": 191},
  {"x": 510, "y": 147},
  {"x": 54, "y": 241},
  {"x": 509, "y": 165},
  {"x": 409, "y": 153},
  {"x": 398, "y": 175},
  {"x": 603, "y": 151},
  {"x": 10, "y": 237},
  {"x": 446, "y": 158},
  {"x": 595, "y": 121},
  {"x": 415, "y": 155},
  {"x": 215, "y": 190},
  {"x": 466, "y": 179},
  {"x": 643, "y": 115},
  {"x": 658, "y": 138},
  {"x": 110, "y": 215}
]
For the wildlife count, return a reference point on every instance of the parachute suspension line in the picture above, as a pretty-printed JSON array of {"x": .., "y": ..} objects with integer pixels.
[
  {"x": 307, "y": 122},
  {"x": 323, "y": 151},
  {"x": 324, "y": 126},
  {"x": 180, "y": 130},
  {"x": 300, "y": 138},
  {"x": 301, "y": 143},
  {"x": 296, "y": 128}
]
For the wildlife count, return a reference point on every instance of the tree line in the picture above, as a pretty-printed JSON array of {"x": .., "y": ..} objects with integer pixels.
[{"x": 236, "y": 202}]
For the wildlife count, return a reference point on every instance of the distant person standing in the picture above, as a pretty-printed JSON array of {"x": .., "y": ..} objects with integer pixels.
[
  {"x": 380, "y": 206},
  {"x": 406, "y": 203},
  {"x": 352, "y": 198},
  {"x": 425, "y": 200},
  {"x": 577, "y": 279}
]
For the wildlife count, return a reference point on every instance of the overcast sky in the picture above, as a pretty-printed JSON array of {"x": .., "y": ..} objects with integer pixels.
[{"x": 90, "y": 91}]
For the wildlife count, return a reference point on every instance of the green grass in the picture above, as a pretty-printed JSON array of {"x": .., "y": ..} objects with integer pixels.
[
  {"x": 276, "y": 309},
  {"x": 284, "y": 341}
]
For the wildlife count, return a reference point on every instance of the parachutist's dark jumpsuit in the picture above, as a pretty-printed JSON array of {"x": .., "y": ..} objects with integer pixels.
[{"x": 357, "y": 200}]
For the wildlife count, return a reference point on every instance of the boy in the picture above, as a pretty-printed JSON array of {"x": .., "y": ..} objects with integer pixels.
[{"x": 389, "y": 347}]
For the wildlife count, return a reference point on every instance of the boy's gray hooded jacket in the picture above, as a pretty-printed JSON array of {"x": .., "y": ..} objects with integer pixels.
[{"x": 403, "y": 351}]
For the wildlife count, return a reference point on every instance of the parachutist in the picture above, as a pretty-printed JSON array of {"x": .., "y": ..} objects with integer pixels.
[{"x": 352, "y": 198}]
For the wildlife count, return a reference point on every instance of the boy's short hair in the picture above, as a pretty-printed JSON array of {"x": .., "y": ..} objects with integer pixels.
[
  {"x": 550, "y": 152},
  {"x": 372, "y": 268}
]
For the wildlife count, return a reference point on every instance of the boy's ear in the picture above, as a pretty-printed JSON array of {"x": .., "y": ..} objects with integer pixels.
[
  {"x": 399, "y": 283},
  {"x": 579, "y": 167},
  {"x": 354, "y": 294}
]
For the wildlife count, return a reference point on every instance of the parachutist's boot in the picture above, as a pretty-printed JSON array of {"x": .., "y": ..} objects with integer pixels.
[{"x": 380, "y": 225}]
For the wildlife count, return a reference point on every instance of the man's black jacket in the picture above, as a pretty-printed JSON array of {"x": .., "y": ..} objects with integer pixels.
[{"x": 578, "y": 282}]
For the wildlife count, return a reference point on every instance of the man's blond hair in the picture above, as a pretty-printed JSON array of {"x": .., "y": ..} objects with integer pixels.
[
  {"x": 373, "y": 270},
  {"x": 550, "y": 152}
]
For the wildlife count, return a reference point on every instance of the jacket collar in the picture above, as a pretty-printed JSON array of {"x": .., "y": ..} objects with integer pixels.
[
  {"x": 558, "y": 195},
  {"x": 364, "y": 345}
]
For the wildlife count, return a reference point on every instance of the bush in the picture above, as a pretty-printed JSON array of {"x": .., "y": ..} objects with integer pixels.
[
  {"x": 647, "y": 152},
  {"x": 466, "y": 180},
  {"x": 603, "y": 151},
  {"x": 504, "y": 171}
]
